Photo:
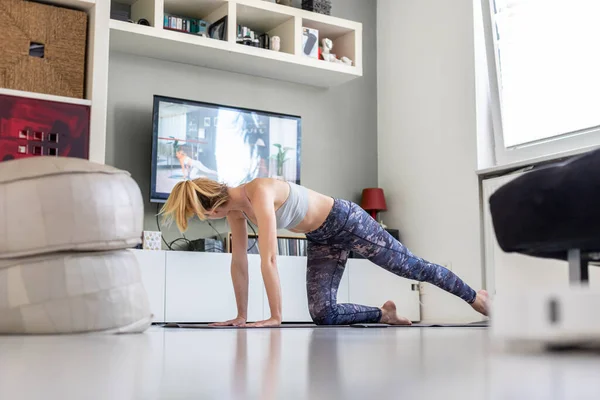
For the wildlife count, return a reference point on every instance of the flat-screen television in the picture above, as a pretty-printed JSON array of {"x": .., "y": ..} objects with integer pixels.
[{"x": 228, "y": 144}]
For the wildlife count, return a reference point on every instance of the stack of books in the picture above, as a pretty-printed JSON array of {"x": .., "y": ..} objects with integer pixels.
[{"x": 186, "y": 25}]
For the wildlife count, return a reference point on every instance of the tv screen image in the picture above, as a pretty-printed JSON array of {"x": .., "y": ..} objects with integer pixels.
[{"x": 230, "y": 145}]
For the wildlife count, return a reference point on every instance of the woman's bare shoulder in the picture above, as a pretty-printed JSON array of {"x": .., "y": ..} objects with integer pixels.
[{"x": 261, "y": 185}]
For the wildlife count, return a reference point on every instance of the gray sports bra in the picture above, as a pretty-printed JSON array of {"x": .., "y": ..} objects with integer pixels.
[{"x": 294, "y": 208}]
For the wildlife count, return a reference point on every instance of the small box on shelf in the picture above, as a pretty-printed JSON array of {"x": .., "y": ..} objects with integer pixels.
[
  {"x": 152, "y": 240},
  {"x": 310, "y": 42}
]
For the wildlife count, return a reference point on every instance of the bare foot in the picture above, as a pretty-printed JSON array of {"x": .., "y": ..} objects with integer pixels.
[
  {"x": 482, "y": 303},
  {"x": 389, "y": 316}
]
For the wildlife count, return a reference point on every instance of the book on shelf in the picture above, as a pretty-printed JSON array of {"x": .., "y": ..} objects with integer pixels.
[{"x": 286, "y": 245}]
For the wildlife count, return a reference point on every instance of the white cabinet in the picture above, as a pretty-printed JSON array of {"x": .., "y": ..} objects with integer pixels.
[
  {"x": 372, "y": 285},
  {"x": 196, "y": 287},
  {"x": 199, "y": 288},
  {"x": 152, "y": 266},
  {"x": 292, "y": 276}
]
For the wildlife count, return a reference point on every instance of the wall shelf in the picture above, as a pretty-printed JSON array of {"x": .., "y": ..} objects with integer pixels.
[
  {"x": 42, "y": 96},
  {"x": 83, "y": 5},
  {"x": 288, "y": 65}
]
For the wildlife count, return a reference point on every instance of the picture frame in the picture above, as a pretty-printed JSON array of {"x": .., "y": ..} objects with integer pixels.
[{"x": 218, "y": 30}]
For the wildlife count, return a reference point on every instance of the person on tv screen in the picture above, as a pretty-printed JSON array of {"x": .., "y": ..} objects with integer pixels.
[
  {"x": 333, "y": 228},
  {"x": 192, "y": 168}
]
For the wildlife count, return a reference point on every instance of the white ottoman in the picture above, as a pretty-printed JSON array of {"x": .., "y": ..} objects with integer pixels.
[
  {"x": 74, "y": 293},
  {"x": 50, "y": 204},
  {"x": 64, "y": 225}
]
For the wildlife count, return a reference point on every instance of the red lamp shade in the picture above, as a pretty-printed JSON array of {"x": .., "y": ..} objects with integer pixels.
[{"x": 373, "y": 200}]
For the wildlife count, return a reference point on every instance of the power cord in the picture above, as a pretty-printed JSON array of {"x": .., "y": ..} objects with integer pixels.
[
  {"x": 256, "y": 240},
  {"x": 189, "y": 242},
  {"x": 214, "y": 229},
  {"x": 170, "y": 245}
]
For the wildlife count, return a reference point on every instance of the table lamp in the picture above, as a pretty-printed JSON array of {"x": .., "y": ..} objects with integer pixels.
[{"x": 373, "y": 201}]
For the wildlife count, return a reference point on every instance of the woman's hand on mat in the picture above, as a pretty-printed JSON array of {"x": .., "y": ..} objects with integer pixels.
[
  {"x": 239, "y": 321},
  {"x": 265, "y": 323}
]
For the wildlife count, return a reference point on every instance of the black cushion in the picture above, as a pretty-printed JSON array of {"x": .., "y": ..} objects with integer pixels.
[{"x": 550, "y": 210}]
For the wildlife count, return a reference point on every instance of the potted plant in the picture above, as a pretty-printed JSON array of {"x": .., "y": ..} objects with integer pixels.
[{"x": 280, "y": 158}]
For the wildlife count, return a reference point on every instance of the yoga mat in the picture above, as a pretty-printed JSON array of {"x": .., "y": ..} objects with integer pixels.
[
  {"x": 284, "y": 326},
  {"x": 478, "y": 324}
]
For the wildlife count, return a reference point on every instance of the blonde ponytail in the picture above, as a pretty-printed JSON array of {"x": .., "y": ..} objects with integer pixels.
[{"x": 193, "y": 197}]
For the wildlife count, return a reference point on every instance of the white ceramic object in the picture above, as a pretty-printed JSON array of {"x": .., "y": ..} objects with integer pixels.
[
  {"x": 327, "y": 45},
  {"x": 275, "y": 43}
]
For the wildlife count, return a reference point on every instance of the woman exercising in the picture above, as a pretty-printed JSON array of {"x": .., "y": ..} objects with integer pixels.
[
  {"x": 192, "y": 168},
  {"x": 333, "y": 227}
]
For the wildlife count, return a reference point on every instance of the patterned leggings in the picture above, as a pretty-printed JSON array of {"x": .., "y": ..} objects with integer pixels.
[{"x": 349, "y": 228}]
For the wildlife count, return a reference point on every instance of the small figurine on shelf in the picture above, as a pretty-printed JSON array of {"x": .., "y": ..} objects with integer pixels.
[
  {"x": 346, "y": 61},
  {"x": 327, "y": 55},
  {"x": 326, "y": 50},
  {"x": 275, "y": 43}
]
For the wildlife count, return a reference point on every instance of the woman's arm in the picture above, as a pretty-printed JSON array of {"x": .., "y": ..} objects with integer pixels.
[
  {"x": 263, "y": 204},
  {"x": 239, "y": 267},
  {"x": 183, "y": 168}
]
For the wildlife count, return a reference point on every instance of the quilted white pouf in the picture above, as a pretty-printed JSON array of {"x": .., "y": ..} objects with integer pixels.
[
  {"x": 75, "y": 293},
  {"x": 65, "y": 225},
  {"x": 50, "y": 204}
]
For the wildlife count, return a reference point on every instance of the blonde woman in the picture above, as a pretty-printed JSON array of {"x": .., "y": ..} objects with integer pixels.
[{"x": 333, "y": 227}]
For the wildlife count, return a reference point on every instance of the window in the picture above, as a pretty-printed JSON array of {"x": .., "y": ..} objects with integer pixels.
[{"x": 547, "y": 69}]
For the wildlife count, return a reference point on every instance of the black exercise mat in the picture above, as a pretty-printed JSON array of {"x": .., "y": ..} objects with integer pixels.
[{"x": 477, "y": 324}]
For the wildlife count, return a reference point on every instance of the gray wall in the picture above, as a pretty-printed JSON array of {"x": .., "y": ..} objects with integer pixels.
[
  {"x": 428, "y": 140},
  {"x": 339, "y": 125}
]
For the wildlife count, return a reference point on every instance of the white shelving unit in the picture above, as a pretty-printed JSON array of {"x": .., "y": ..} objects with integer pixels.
[
  {"x": 83, "y": 5},
  {"x": 42, "y": 96},
  {"x": 289, "y": 64},
  {"x": 96, "y": 85}
]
